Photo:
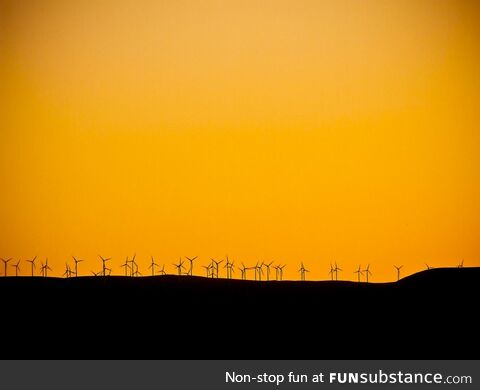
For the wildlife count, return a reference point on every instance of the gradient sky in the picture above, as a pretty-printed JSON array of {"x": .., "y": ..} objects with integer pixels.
[{"x": 289, "y": 131}]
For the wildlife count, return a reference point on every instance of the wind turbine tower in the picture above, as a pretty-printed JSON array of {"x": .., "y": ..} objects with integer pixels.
[
  {"x": 191, "y": 260},
  {"x": 32, "y": 262},
  {"x": 359, "y": 272},
  {"x": 398, "y": 268},
  {"x": 267, "y": 266},
  {"x": 5, "y": 263},
  {"x": 76, "y": 264},
  {"x": 104, "y": 264},
  {"x": 17, "y": 267},
  {"x": 367, "y": 272}
]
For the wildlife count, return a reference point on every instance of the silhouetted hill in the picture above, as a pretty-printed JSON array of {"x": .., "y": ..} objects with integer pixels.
[{"x": 431, "y": 314}]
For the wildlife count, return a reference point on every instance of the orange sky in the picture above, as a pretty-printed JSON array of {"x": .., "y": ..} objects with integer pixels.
[{"x": 266, "y": 130}]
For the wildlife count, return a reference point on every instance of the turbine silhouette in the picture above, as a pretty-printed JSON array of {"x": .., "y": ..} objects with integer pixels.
[
  {"x": 359, "y": 272},
  {"x": 104, "y": 267},
  {"x": 76, "y": 264},
  {"x": 229, "y": 266},
  {"x": 191, "y": 260},
  {"x": 216, "y": 267},
  {"x": 243, "y": 271},
  {"x": 367, "y": 272},
  {"x": 258, "y": 271},
  {"x": 302, "y": 271},
  {"x": 5, "y": 262},
  {"x": 336, "y": 269},
  {"x": 179, "y": 266},
  {"x": 32, "y": 262},
  {"x": 332, "y": 271},
  {"x": 207, "y": 269},
  {"x": 162, "y": 271},
  {"x": 398, "y": 268},
  {"x": 153, "y": 265},
  {"x": 17, "y": 267},
  {"x": 68, "y": 272},
  {"x": 126, "y": 266},
  {"x": 45, "y": 268},
  {"x": 267, "y": 266}
]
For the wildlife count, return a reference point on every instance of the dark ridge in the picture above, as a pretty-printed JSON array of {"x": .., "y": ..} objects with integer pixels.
[
  {"x": 429, "y": 315},
  {"x": 444, "y": 276}
]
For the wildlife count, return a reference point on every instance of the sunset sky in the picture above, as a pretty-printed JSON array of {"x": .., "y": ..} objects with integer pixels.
[{"x": 286, "y": 131}]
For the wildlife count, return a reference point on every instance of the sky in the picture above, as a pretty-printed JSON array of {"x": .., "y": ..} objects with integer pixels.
[{"x": 286, "y": 131}]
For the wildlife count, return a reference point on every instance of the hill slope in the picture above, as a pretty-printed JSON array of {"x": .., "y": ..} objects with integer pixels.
[{"x": 427, "y": 315}]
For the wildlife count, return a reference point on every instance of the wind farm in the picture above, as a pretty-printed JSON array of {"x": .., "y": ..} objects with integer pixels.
[
  {"x": 194, "y": 178},
  {"x": 261, "y": 270},
  {"x": 171, "y": 299}
]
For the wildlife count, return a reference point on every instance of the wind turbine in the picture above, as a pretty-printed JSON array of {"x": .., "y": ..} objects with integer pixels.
[
  {"x": 152, "y": 266},
  {"x": 207, "y": 269},
  {"x": 179, "y": 266},
  {"x": 5, "y": 262},
  {"x": 94, "y": 273},
  {"x": 134, "y": 265},
  {"x": 277, "y": 271},
  {"x": 46, "y": 268},
  {"x": 191, "y": 260},
  {"x": 126, "y": 266},
  {"x": 398, "y": 268},
  {"x": 76, "y": 264},
  {"x": 211, "y": 269},
  {"x": 32, "y": 262},
  {"x": 336, "y": 271},
  {"x": 428, "y": 267},
  {"x": 216, "y": 266},
  {"x": 104, "y": 267},
  {"x": 332, "y": 271},
  {"x": 359, "y": 272},
  {"x": 281, "y": 271},
  {"x": 229, "y": 267},
  {"x": 136, "y": 272},
  {"x": 259, "y": 271},
  {"x": 367, "y": 272},
  {"x": 17, "y": 267},
  {"x": 267, "y": 266},
  {"x": 243, "y": 272},
  {"x": 302, "y": 271},
  {"x": 162, "y": 271},
  {"x": 68, "y": 271},
  {"x": 460, "y": 265}
]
